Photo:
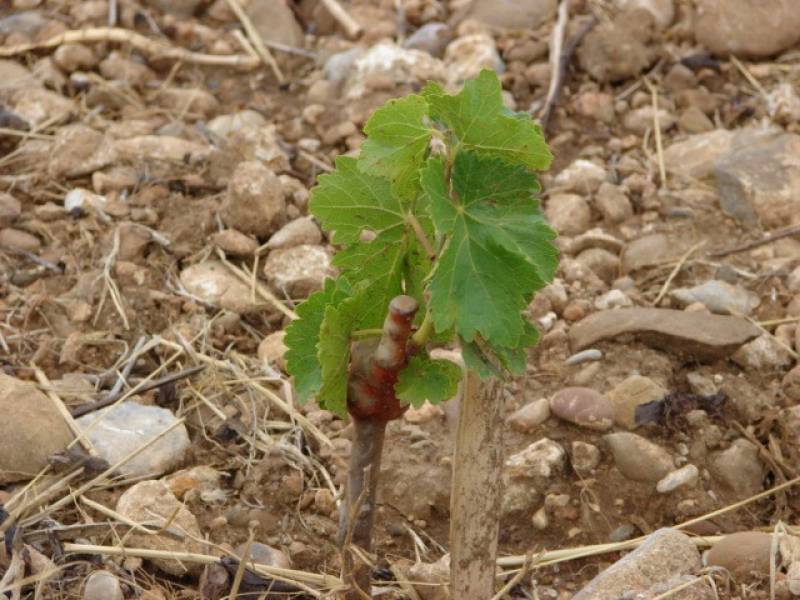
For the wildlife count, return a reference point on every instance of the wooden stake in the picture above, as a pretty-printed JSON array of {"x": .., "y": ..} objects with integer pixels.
[{"x": 475, "y": 500}]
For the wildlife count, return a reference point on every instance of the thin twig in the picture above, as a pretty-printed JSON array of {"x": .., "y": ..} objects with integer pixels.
[
  {"x": 350, "y": 25},
  {"x": 675, "y": 271},
  {"x": 155, "y": 48},
  {"x": 262, "y": 291},
  {"x": 662, "y": 170},
  {"x": 255, "y": 39},
  {"x": 772, "y": 237}
]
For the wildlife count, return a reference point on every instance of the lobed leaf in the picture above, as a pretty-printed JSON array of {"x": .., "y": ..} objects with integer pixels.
[
  {"x": 480, "y": 122},
  {"x": 427, "y": 379}
]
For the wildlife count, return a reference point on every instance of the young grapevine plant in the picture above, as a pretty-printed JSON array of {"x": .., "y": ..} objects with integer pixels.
[{"x": 441, "y": 241}]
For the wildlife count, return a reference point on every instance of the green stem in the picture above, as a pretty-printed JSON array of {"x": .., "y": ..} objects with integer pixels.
[
  {"x": 423, "y": 334},
  {"x": 420, "y": 233}
]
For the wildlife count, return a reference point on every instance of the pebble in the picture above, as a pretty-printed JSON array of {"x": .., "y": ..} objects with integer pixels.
[
  {"x": 431, "y": 38},
  {"x": 791, "y": 384},
  {"x": 613, "y": 299},
  {"x": 201, "y": 481},
  {"x": 585, "y": 457},
  {"x": 664, "y": 554},
  {"x": 119, "y": 67},
  {"x": 262, "y": 554},
  {"x": 702, "y": 336},
  {"x": 125, "y": 427},
  {"x": 630, "y": 394},
  {"x": 624, "y": 532},
  {"x": 513, "y": 14},
  {"x": 569, "y": 214},
  {"x": 639, "y": 120},
  {"x": 747, "y": 29},
  {"x": 38, "y": 105},
  {"x": 31, "y": 430},
  {"x": 584, "y": 407},
  {"x": 738, "y": 468},
  {"x": 191, "y": 102},
  {"x": 793, "y": 578},
  {"x": 214, "y": 284},
  {"x": 596, "y": 105},
  {"x": 584, "y": 356},
  {"x": 152, "y": 502},
  {"x": 102, "y": 585},
  {"x": 390, "y": 64},
  {"x": 540, "y": 520},
  {"x": 663, "y": 11},
  {"x": 272, "y": 349},
  {"x": 255, "y": 201},
  {"x": 613, "y": 203},
  {"x": 646, "y": 251},
  {"x": 582, "y": 177},
  {"x": 226, "y": 125},
  {"x": 530, "y": 416},
  {"x": 467, "y": 56},
  {"x": 783, "y": 104},
  {"x": 295, "y": 233},
  {"x": 694, "y": 120},
  {"x": 235, "y": 243},
  {"x": 618, "y": 49},
  {"x": 298, "y": 271},
  {"x": 601, "y": 262},
  {"x": 542, "y": 458},
  {"x": 742, "y": 554},
  {"x": 764, "y": 352},
  {"x": 686, "y": 475},
  {"x": 16, "y": 239},
  {"x": 10, "y": 209},
  {"x": 162, "y": 150},
  {"x": 77, "y": 201},
  {"x": 74, "y": 57},
  {"x": 638, "y": 458},
  {"x": 719, "y": 297},
  {"x": 274, "y": 21}
]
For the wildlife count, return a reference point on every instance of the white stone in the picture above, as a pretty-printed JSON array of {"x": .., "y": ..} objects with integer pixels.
[{"x": 674, "y": 479}]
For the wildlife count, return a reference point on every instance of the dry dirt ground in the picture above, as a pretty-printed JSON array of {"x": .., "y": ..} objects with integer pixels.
[{"x": 78, "y": 288}]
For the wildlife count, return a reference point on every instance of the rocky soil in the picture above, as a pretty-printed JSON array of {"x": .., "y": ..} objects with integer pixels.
[{"x": 154, "y": 241}]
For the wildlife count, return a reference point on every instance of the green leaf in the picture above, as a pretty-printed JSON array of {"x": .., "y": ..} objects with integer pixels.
[
  {"x": 333, "y": 353},
  {"x": 349, "y": 202},
  {"x": 481, "y": 122},
  {"x": 426, "y": 379},
  {"x": 397, "y": 143},
  {"x": 302, "y": 337},
  {"x": 513, "y": 360},
  {"x": 499, "y": 249}
]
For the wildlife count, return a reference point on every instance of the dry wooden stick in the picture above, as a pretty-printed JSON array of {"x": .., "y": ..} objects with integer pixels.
[
  {"x": 255, "y": 39},
  {"x": 47, "y": 388},
  {"x": 772, "y": 237},
  {"x": 155, "y": 48},
  {"x": 560, "y": 59},
  {"x": 350, "y": 25},
  {"x": 662, "y": 171}
]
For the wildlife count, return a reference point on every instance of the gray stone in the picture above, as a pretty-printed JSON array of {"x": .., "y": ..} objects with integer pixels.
[
  {"x": 179, "y": 8},
  {"x": 569, "y": 214},
  {"x": 125, "y": 427},
  {"x": 151, "y": 502},
  {"x": 584, "y": 407},
  {"x": 275, "y": 22},
  {"x": 468, "y": 55},
  {"x": 619, "y": 49},
  {"x": 431, "y": 38},
  {"x": 235, "y": 243},
  {"x": 527, "y": 472},
  {"x": 694, "y": 120},
  {"x": 745, "y": 28},
  {"x": 701, "y": 336},
  {"x": 585, "y": 457},
  {"x": 638, "y": 458},
  {"x": 664, "y": 554},
  {"x": 601, "y": 262},
  {"x": 38, "y": 105},
  {"x": 719, "y": 297},
  {"x": 261, "y": 554},
  {"x": 102, "y": 585},
  {"x": 30, "y": 431},
  {"x": 300, "y": 231},
  {"x": 738, "y": 468},
  {"x": 639, "y": 120},
  {"x": 613, "y": 203},
  {"x": 761, "y": 182},
  {"x": 763, "y": 353},
  {"x": 582, "y": 177}
]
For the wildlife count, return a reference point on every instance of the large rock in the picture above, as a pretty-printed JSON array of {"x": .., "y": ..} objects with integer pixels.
[
  {"x": 255, "y": 202},
  {"x": 746, "y": 28},
  {"x": 761, "y": 182},
  {"x": 664, "y": 554},
  {"x": 696, "y": 335},
  {"x": 214, "y": 284},
  {"x": 31, "y": 429},
  {"x": 619, "y": 49},
  {"x": 128, "y": 426},
  {"x": 513, "y": 14},
  {"x": 151, "y": 502}
]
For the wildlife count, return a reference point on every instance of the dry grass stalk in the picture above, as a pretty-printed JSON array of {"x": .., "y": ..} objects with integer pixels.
[
  {"x": 262, "y": 51},
  {"x": 262, "y": 291},
  {"x": 350, "y": 25},
  {"x": 662, "y": 170},
  {"x": 675, "y": 271},
  {"x": 156, "y": 49}
]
